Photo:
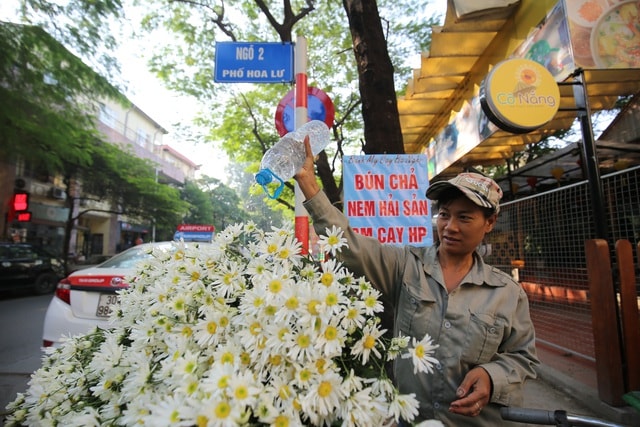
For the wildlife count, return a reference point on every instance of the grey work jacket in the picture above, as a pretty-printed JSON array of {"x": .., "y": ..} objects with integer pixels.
[{"x": 483, "y": 322}]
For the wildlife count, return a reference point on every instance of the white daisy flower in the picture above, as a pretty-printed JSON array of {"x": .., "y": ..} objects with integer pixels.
[
  {"x": 332, "y": 242},
  {"x": 324, "y": 394},
  {"x": 404, "y": 406},
  {"x": 241, "y": 330},
  {"x": 421, "y": 354},
  {"x": 368, "y": 344}
]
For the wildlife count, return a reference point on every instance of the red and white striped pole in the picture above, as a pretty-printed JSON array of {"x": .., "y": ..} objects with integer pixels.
[{"x": 301, "y": 117}]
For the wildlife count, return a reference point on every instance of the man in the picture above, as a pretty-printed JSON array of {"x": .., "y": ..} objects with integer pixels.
[{"x": 478, "y": 315}]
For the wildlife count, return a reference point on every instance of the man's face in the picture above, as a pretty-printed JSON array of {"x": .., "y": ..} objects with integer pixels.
[{"x": 461, "y": 226}]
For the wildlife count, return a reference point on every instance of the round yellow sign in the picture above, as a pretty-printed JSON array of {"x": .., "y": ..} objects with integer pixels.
[{"x": 519, "y": 95}]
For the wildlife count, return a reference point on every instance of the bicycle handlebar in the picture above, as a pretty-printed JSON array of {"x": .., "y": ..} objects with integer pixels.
[
  {"x": 556, "y": 418},
  {"x": 531, "y": 416}
]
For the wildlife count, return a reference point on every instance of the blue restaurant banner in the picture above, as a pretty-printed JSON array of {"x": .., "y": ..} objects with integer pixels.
[{"x": 384, "y": 197}]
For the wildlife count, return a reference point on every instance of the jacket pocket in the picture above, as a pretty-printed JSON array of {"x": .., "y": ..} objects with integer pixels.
[
  {"x": 416, "y": 310},
  {"x": 483, "y": 338}
]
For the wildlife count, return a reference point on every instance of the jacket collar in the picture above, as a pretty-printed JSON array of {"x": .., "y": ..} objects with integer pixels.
[{"x": 481, "y": 273}]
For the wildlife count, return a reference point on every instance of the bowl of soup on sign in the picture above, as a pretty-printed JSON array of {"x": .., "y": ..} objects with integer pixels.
[{"x": 615, "y": 37}]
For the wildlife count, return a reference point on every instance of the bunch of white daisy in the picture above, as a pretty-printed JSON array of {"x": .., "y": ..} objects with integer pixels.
[{"x": 243, "y": 331}]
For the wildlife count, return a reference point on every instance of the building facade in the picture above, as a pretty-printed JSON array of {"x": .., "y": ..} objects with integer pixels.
[{"x": 97, "y": 231}]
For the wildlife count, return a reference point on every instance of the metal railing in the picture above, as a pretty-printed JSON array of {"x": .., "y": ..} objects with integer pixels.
[{"x": 540, "y": 240}]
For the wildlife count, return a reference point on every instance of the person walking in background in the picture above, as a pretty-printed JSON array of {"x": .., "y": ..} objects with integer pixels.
[{"x": 476, "y": 314}]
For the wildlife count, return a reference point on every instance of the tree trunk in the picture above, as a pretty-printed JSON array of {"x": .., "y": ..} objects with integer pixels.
[
  {"x": 325, "y": 173},
  {"x": 382, "y": 131}
]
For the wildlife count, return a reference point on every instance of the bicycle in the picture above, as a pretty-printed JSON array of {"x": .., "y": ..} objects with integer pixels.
[{"x": 558, "y": 418}]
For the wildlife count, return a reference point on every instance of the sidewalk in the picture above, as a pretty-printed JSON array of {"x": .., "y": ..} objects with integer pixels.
[{"x": 569, "y": 383}]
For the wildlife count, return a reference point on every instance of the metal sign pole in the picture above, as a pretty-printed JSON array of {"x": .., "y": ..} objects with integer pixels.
[
  {"x": 590, "y": 156},
  {"x": 301, "y": 115}
]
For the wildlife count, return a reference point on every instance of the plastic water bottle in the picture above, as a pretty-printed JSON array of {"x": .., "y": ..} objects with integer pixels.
[{"x": 286, "y": 157}]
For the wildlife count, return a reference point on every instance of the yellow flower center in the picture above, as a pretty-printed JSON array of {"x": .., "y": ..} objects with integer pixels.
[
  {"x": 304, "y": 375},
  {"x": 284, "y": 392},
  {"x": 320, "y": 364},
  {"x": 303, "y": 341},
  {"x": 222, "y": 410},
  {"x": 275, "y": 286},
  {"x": 326, "y": 279},
  {"x": 270, "y": 310},
  {"x": 312, "y": 306},
  {"x": 190, "y": 367},
  {"x": 284, "y": 254},
  {"x": 212, "y": 327},
  {"x": 291, "y": 303},
  {"x": 330, "y": 333},
  {"x": 192, "y": 387},
  {"x": 227, "y": 279},
  {"x": 324, "y": 389},
  {"x": 227, "y": 357},
  {"x": 369, "y": 342},
  {"x": 275, "y": 360},
  {"x": 420, "y": 351},
  {"x": 370, "y": 301},
  {"x": 245, "y": 358},
  {"x": 255, "y": 328},
  {"x": 241, "y": 392},
  {"x": 331, "y": 299},
  {"x": 202, "y": 421},
  {"x": 281, "y": 421},
  {"x": 223, "y": 382}
]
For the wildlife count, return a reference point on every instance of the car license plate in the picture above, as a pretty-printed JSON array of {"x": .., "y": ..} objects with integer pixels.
[{"x": 105, "y": 304}]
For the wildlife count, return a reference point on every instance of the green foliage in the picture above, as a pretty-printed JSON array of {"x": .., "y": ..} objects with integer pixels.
[
  {"x": 241, "y": 116},
  {"x": 129, "y": 184},
  {"x": 225, "y": 203},
  {"x": 85, "y": 27},
  {"x": 201, "y": 209},
  {"x": 45, "y": 113}
]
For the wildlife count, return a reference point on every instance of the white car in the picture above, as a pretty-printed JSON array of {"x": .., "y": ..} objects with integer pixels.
[{"x": 85, "y": 298}]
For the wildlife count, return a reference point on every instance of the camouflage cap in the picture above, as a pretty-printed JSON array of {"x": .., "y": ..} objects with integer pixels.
[{"x": 481, "y": 190}]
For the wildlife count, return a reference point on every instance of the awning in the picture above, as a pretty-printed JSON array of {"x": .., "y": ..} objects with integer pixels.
[{"x": 462, "y": 51}]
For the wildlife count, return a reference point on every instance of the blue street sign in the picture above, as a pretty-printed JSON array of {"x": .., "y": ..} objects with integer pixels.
[
  {"x": 192, "y": 236},
  {"x": 242, "y": 62}
]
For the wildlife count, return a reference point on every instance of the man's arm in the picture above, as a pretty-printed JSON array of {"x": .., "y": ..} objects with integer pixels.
[{"x": 306, "y": 176}]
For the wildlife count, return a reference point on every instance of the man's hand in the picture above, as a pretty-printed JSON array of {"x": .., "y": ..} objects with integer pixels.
[
  {"x": 306, "y": 176},
  {"x": 474, "y": 393}
]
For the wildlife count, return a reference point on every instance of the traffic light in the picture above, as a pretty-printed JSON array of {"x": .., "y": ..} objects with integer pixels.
[
  {"x": 19, "y": 209},
  {"x": 24, "y": 216},
  {"x": 20, "y": 202}
]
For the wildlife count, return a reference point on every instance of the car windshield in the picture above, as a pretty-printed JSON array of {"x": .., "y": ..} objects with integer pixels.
[{"x": 132, "y": 256}]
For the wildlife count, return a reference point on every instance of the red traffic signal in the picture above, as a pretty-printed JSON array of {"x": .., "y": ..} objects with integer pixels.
[
  {"x": 18, "y": 210},
  {"x": 20, "y": 202},
  {"x": 23, "y": 216}
]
